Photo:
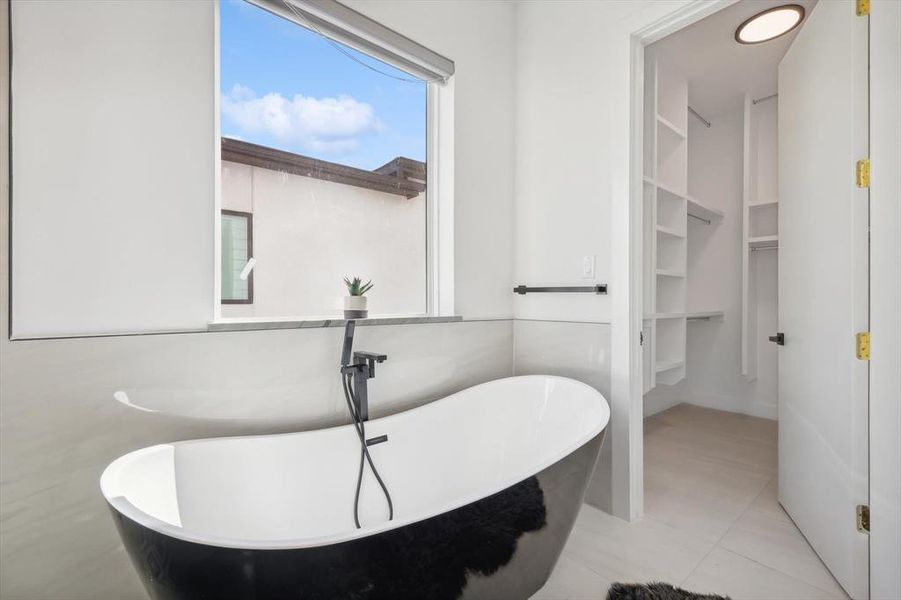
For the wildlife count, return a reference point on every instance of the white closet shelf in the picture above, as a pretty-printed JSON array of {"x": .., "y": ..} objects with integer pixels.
[
  {"x": 667, "y": 364},
  {"x": 763, "y": 203},
  {"x": 669, "y": 231},
  {"x": 764, "y": 241},
  {"x": 697, "y": 209},
  {"x": 669, "y": 190},
  {"x": 670, "y": 126},
  {"x": 670, "y": 273}
]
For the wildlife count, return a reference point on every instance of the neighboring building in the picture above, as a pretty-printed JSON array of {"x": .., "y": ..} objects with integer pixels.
[{"x": 309, "y": 223}]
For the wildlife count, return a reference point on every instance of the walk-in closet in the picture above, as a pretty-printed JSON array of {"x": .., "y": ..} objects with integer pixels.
[{"x": 710, "y": 220}]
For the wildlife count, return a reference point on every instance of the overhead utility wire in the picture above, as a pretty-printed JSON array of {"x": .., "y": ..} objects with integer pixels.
[{"x": 340, "y": 49}]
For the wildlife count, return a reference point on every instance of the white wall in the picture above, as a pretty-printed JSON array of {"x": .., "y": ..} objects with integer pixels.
[
  {"x": 572, "y": 144},
  {"x": 573, "y": 87},
  {"x": 60, "y": 425},
  {"x": 82, "y": 131},
  {"x": 114, "y": 154},
  {"x": 478, "y": 36},
  {"x": 308, "y": 233}
]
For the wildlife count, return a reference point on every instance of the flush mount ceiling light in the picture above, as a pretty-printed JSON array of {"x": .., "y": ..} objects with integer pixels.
[{"x": 769, "y": 24}]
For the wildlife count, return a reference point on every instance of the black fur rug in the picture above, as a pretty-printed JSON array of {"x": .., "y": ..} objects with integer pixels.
[{"x": 655, "y": 591}]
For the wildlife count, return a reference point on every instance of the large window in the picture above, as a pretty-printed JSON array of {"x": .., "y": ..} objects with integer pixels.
[{"x": 324, "y": 151}]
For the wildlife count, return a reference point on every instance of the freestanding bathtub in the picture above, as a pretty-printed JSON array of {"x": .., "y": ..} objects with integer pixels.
[{"x": 486, "y": 485}]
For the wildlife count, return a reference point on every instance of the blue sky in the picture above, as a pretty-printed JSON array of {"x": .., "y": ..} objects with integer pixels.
[{"x": 285, "y": 87}]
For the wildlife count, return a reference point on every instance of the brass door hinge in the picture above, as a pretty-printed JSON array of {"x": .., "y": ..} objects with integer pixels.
[
  {"x": 863, "y": 173},
  {"x": 863, "y": 518},
  {"x": 863, "y": 8},
  {"x": 863, "y": 345}
]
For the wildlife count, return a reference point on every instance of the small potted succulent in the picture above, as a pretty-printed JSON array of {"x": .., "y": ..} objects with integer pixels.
[{"x": 355, "y": 301}]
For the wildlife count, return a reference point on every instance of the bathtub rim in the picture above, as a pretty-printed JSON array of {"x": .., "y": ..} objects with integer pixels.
[{"x": 123, "y": 506}]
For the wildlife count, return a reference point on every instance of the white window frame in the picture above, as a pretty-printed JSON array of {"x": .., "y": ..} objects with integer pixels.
[
  {"x": 440, "y": 199},
  {"x": 344, "y": 25}
]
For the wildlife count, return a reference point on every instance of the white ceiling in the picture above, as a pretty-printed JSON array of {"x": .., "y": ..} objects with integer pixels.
[{"x": 719, "y": 69}]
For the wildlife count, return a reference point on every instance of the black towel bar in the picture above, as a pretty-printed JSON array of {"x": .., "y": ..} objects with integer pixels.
[{"x": 600, "y": 288}]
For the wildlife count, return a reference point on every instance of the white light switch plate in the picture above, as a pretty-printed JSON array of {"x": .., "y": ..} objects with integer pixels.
[{"x": 588, "y": 267}]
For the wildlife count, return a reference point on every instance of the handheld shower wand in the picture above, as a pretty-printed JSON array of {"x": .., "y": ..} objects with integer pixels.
[
  {"x": 348, "y": 342},
  {"x": 354, "y": 377}
]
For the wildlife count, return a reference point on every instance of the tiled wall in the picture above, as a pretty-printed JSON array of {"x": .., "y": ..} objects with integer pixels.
[
  {"x": 61, "y": 425},
  {"x": 577, "y": 350}
]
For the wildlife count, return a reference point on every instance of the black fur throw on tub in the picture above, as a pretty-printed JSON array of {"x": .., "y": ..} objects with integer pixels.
[
  {"x": 431, "y": 559},
  {"x": 427, "y": 560},
  {"x": 655, "y": 591}
]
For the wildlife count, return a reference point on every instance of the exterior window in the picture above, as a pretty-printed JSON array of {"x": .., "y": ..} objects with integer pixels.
[
  {"x": 236, "y": 252},
  {"x": 329, "y": 156}
]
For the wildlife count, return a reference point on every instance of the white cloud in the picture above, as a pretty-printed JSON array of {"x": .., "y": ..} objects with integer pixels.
[{"x": 319, "y": 124}]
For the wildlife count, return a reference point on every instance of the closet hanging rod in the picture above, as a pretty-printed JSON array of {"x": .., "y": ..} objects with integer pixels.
[
  {"x": 600, "y": 288},
  {"x": 699, "y": 218},
  {"x": 759, "y": 100},
  {"x": 764, "y": 248},
  {"x": 700, "y": 118}
]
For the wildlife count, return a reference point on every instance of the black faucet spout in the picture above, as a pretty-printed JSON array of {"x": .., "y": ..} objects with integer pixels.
[
  {"x": 361, "y": 370},
  {"x": 369, "y": 359}
]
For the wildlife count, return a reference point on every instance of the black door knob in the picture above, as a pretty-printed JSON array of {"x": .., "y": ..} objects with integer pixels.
[{"x": 779, "y": 338}]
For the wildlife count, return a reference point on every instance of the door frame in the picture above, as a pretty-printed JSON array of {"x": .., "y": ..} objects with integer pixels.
[
  {"x": 885, "y": 299},
  {"x": 626, "y": 240}
]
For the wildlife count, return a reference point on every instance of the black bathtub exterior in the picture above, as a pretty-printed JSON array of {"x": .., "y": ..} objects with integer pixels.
[{"x": 500, "y": 547}]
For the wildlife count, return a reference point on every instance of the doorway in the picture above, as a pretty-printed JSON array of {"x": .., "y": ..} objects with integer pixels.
[{"x": 720, "y": 386}]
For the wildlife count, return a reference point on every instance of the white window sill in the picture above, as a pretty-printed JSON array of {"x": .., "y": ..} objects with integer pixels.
[{"x": 263, "y": 323}]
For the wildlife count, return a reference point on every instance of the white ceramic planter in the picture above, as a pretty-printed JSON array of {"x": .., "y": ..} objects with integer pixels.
[{"x": 355, "y": 307}]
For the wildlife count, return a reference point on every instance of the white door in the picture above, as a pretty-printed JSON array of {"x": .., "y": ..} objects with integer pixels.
[{"x": 823, "y": 287}]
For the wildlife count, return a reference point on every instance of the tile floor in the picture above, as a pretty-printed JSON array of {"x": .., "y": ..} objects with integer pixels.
[{"x": 712, "y": 522}]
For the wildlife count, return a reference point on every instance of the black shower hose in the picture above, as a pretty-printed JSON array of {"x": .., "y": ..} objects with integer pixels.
[{"x": 360, "y": 427}]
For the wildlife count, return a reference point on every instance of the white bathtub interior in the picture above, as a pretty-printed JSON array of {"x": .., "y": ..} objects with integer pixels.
[{"x": 297, "y": 490}]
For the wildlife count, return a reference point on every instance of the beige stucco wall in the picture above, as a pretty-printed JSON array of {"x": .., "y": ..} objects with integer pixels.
[{"x": 309, "y": 233}]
